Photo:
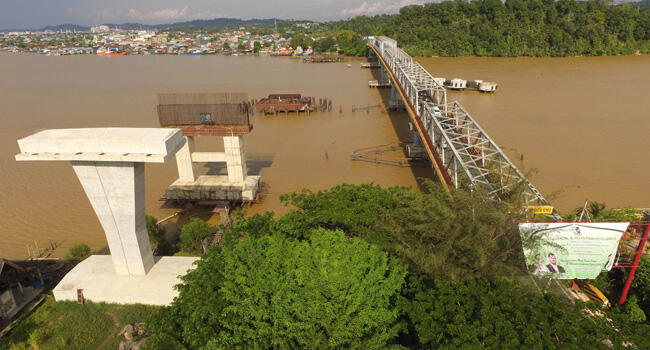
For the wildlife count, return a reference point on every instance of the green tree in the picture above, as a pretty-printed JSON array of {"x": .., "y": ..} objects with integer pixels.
[
  {"x": 350, "y": 43},
  {"x": 327, "y": 44},
  {"x": 159, "y": 242},
  {"x": 78, "y": 252},
  {"x": 432, "y": 232},
  {"x": 499, "y": 315},
  {"x": 510, "y": 28},
  {"x": 256, "y": 46},
  {"x": 192, "y": 235},
  {"x": 276, "y": 292}
]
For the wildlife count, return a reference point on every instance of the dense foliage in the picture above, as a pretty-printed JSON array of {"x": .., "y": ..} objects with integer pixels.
[
  {"x": 159, "y": 243},
  {"x": 479, "y": 314},
  {"x": 276, "y": 292},
  {"x": 512, "y": 28},
  {"x": 192, "y": 235},
  {"x": 316, "y": 277},
  {"x": 429, "y": 231}
]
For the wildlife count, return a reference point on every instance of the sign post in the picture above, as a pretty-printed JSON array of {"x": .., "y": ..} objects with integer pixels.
[{"x": 635, "y": 264}]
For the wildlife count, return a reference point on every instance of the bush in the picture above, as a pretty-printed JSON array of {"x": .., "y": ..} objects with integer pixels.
[
  {"x": 498, "y": 315},
  {"x": 192, "y": 235},
  {"x": 78, "y": 252},
  {"x": 276, "y": 292},
  {"x": 159, "y": 244}
]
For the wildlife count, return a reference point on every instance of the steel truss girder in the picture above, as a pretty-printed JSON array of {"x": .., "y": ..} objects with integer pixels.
[{"x": 470, "y": 156}]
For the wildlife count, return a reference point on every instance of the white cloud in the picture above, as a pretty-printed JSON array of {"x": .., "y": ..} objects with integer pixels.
[
  {"x": 159, "y": 15},
  {"x": 378, "y": 7},
  {"x": 171, "y": 15}
]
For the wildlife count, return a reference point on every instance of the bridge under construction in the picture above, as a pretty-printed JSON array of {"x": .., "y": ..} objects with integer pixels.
[{"x": 460, "y": 151}]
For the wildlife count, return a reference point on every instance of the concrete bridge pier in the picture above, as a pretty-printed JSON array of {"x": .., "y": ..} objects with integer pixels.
[
  {"x": 396, "y": 102},
  {"x": 109, "y": 163},
  {"x": 187, "y": 169},
  {"x": 116, "y": 193},
  {"x": 383, "y": 75},
  {"x": 235, "y": 158},
  {"x": 237, "y": 185}
]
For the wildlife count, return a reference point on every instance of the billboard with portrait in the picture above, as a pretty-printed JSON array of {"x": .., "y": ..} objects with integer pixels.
[{"x": 568, "y": 250}]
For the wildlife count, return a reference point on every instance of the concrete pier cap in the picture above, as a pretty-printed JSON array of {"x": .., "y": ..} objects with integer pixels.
[
  {"x": 102, "y": 145},
  {"x": 109, "y": 163}
]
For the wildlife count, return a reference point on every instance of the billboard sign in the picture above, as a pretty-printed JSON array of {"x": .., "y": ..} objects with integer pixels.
[{"x": 568, "y": 250}]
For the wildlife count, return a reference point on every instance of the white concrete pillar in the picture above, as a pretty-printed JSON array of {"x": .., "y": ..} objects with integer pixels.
[
  {"x": 187, "y": 170},
  {"x": 235, "y": 158},
  {"x": 116, "y": 192}
]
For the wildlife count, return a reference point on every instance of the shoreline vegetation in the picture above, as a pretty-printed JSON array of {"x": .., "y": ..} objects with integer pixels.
[
  {"x": 514, "y": 28},
  {"x": 360, "y": 266},
  {"x": 477, "y": 28}
]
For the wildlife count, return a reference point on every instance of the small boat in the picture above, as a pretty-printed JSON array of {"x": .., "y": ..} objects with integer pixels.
[
  {"x": 285, "y": 52},
  {"x": 113, "y": 51}
]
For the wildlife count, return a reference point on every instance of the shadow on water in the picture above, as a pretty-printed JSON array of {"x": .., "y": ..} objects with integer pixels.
[
  {"x": 254, "y": 166},
  {"x": 421, "y": 170}
]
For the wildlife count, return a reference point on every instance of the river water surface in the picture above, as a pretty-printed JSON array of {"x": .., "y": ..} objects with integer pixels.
[{"x": 582, "y": 122}]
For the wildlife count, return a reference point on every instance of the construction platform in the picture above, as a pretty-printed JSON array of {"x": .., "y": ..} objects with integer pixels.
[
  {"x": 286, "y": 103},
  {"x": 213, "y": 130},
  {"x": 379, "y": 84},
  {"x": 371, "y": 65},
  {"x": 97, "y": 280},
  {"x": 214, "y": 187}
]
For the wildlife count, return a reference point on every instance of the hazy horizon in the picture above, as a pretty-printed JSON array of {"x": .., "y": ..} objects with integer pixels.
[{"x": 41, "y": 13}]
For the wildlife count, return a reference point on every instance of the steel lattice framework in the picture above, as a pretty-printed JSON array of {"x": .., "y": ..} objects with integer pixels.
[{"x": 461, "y": 152}]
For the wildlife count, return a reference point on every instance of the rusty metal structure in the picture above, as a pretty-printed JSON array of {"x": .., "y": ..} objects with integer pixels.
[
  {"x": 275, "y": 103},
  {"x": 322, "y": 59},
  {"x": 206, "y": 114}
]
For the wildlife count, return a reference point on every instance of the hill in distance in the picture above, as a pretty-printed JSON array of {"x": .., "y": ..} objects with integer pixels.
[{"x": 197, "y": 23}]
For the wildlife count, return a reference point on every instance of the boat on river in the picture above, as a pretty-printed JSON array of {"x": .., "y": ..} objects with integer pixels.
[{"x": 111, "y": 51}]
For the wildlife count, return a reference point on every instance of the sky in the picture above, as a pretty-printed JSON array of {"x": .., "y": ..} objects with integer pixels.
[{"x": 39, "y": 13}]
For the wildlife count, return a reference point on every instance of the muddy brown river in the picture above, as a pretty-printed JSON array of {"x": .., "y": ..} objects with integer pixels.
[{"x": 582, "y": 122}]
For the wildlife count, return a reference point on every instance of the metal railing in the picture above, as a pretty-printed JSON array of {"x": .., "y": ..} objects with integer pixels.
[{"x": 466, "y": 152}]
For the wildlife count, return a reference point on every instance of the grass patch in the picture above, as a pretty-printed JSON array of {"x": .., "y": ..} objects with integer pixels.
[{"x": 66, "y": 325}]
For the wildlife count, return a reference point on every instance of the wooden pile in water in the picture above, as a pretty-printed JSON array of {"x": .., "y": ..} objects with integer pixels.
[{"x": 321, "y": 59}]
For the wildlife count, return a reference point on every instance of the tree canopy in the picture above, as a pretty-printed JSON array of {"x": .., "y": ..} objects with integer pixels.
[
  {"x": 192, "y": 235},
  {"x": 361, "y": 266},
  {"x": 277, "y": 292},
  {"x": 512, "y": 28}
]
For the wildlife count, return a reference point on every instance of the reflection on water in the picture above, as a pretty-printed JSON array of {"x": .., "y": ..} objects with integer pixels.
[{"x": 580, "y": 121}]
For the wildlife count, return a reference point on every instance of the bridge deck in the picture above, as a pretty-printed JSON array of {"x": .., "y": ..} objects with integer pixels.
[{"x": 460, "y": 151}]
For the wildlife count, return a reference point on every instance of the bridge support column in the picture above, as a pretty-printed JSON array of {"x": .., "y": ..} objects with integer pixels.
[
  {"x": 187, "y": 170},
  {"x": 235, "y": 158},
  {"x": 383, "y": 75},
  {"x": 116, "y": 193},
  {"x": 417, "y": 141}
]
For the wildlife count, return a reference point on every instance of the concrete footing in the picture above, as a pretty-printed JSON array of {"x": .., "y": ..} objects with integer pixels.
[
  {"x": 211, "y": 187},
  {"x": 98, "y": 281}
]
